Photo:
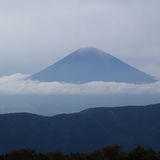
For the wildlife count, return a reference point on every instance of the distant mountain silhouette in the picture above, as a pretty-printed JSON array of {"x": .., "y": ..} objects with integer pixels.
[
  {"x": 84, "y": 131},
  {"x": 90, "y": 64}
]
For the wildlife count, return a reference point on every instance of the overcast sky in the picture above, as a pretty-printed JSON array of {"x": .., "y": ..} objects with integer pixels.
[{"x": 36, "y": 33}]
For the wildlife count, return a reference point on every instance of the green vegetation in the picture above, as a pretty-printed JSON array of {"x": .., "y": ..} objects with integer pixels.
[{"x": 105, "y": 153}]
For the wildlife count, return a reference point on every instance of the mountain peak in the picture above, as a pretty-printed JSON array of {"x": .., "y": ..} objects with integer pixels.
[
  {"x": 89, "y": 51},
  {"x": 91, "y": 64},
  {"x": 88, "y": 55}
]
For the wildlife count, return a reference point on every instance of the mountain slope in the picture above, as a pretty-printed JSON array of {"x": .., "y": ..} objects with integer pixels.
[
  {"x": 84, "y": 131},
  {"x": 90, "y": 64}
]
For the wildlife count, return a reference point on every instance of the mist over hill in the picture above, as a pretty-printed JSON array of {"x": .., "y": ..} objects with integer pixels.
[{"x": 91, "y": 64}]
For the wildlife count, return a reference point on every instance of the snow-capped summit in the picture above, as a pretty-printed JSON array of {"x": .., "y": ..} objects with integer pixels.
[{"x": 91, "y": 64}]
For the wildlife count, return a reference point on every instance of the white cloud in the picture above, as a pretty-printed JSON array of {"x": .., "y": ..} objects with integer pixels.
[{"x": 20, "y": 84}]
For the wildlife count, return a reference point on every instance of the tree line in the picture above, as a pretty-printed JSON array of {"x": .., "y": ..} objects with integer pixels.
[{"x": 105, "y": 153}]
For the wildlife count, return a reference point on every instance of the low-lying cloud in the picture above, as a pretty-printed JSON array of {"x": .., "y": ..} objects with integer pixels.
[{"x": 17, "y": 84}]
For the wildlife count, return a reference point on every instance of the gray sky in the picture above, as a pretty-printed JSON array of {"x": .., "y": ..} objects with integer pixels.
[{"x": 36, "y": 33}]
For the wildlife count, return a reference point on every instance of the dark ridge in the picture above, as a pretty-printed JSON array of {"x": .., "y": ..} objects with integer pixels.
[{"x": 129, "y": 126}]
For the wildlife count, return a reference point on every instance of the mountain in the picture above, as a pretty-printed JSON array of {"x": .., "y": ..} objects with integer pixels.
[
  {"x": 84, "y": 131},
  {"x": 91, "y": 64}
]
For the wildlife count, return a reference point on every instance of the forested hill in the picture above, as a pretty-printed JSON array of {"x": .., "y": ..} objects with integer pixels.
[{"x": 84, "y": 131}]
